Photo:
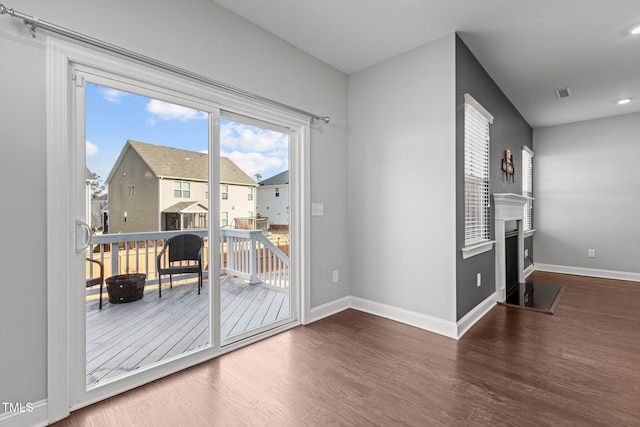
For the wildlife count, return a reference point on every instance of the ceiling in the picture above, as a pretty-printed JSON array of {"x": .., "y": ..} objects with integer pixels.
[{"x": 530, "y": 48}]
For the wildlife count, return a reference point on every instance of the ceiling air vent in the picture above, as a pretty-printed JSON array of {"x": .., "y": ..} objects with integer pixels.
[{"x": 563, "y": 93}]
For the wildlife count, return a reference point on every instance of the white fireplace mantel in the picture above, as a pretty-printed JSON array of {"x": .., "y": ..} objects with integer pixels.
[{"x": 508, "y": 207}]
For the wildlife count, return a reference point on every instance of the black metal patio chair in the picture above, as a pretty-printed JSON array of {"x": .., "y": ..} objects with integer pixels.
[
  {"x": 99, "y": 280},
  {"x": 185, "y": 256}
]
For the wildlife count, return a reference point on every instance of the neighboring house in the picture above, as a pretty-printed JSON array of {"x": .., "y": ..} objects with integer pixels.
[
  {"x": 158, "y": 188},
  {"x": 273, "y": 200},
  {"x": 99, "y": 212},
  {"x": 89, "y": 179},
  {"x": 237, "y": 195}
]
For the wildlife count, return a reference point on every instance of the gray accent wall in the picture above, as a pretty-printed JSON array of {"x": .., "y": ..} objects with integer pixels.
[{"x": 508, "y": 131}]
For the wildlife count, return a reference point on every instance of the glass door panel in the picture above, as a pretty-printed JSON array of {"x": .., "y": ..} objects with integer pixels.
[
  {"x": 147, "y": 184},
  {"x": 255, "y": 288}
]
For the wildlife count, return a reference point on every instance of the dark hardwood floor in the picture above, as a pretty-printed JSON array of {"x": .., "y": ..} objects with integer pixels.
[{"x": 579, "y": 367}]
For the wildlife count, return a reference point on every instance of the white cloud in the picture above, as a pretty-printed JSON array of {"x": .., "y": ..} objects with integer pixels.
[
  {"x": 112, "y": 95},
  {"x": 254, "y": 163},
  {"x": 167, "y": 111},
  {"x": 243, "y": 137},
  {"x": 92, "y": 148}
]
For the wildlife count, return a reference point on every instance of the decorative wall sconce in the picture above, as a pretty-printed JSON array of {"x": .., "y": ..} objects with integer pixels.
[
  {"x": 125, "y": 216},
  {"x": 507, "y": 166}
]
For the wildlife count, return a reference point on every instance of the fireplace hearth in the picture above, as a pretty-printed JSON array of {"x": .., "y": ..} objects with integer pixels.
[{"x": 537, "y": 296}]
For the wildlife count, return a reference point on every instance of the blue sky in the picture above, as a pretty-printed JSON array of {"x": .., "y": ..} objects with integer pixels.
[{"x": 113, "y": 117}]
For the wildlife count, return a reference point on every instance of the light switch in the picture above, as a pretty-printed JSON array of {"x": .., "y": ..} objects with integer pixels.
[{"x": 317, "y": 209}]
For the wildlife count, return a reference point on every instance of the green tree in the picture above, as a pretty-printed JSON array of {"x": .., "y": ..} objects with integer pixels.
[{"x": 97, "y": 186}]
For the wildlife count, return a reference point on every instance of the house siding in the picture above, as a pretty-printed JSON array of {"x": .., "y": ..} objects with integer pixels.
[
  {"x": 142, "y": 209},
  {"x": 238, "y": 204},
  {"x": 272, "y": 207},
  {"x": 168, "y": 199}
]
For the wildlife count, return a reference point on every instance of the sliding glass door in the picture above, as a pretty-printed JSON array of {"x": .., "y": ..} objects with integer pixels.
[
  {"x": 254, "y": 220},
  {"x": 182, "y": 225}
]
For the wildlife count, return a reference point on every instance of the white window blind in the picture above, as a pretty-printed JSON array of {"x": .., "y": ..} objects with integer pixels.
[
  {"x": 476, "y": 172},
  {"x": 527, "y": 187}
]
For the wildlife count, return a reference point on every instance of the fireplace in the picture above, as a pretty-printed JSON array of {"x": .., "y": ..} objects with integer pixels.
[
  {"x": 511, "y": 263},
  {"x": 511, "y": 288},
  {"x": 509, "y": 207}
]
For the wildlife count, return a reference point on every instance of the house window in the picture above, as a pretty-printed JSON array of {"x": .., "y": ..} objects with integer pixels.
[
  {"x": 224, "y": 216},
  {"x": 203, "y": 220},
  {"x": 476, "y": 172},
  {"x": 527, "y": 187},
  {"x": 132, "y": 191},
  {"x": 250, "y": 214},
  {"x": 206, "y": 191},
  {"x": 250, "y": 193},
  {"x": 224, "y": 191},
  {"x": 277, "y": 192},
  {"x": 181, "y": 190}
]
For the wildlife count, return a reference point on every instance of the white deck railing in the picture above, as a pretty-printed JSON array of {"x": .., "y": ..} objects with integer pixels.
[
  {"x": 250, "y": 255},
  {"x": 247, "y": 254}
]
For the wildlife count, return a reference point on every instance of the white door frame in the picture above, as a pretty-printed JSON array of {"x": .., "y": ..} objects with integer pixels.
[{"x": 61, "y": 162}]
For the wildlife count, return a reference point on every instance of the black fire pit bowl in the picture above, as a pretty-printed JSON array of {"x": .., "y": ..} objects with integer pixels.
[{"x": 125, "y": 287}]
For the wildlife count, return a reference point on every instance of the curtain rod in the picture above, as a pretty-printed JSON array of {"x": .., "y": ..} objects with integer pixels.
[{"x": 36, "y": 23}]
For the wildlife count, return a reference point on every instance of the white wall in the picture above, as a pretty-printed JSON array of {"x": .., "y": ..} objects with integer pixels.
[
  {"x": 196, "y": 35},
  {"x": 587, "y": 187},
  {"x": 402, "y": 181},
  {"x": 23, "y": 309}
]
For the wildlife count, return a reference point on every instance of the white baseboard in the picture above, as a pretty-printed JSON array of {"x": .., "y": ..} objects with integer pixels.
[
  {"x": 419, "y": 320},
  {"x": 429, "y": 323},
  {"x": 29, "y": 415},
  {"x": 529, "y": 270},
  {"x": 476, "y": 314},
  {"x": 591, "y": 272},
  {"x": 332, "y": 307}
]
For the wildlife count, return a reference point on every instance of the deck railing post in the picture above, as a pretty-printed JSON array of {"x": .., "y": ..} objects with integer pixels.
[
  {"x": 115, "y": 248},
  {"x": 253, "y": 255},
  {"x": 231, "y": 253}
]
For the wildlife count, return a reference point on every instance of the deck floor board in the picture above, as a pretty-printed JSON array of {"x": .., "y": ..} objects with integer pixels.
[{"x": 125, "y": 337}]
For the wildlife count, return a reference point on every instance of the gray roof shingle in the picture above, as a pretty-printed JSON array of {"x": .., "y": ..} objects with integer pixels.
[
  {"x": 177, "y": 163},
  {"x": 280, "y": 179},
  {"x": 184, "y": 206}
]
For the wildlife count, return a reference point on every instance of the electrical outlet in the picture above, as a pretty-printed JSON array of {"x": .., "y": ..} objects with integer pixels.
[
  {"x": 479, "y": 279},
  {"x": 335, "y": 276},
  {"x": 591, "y": 253}
]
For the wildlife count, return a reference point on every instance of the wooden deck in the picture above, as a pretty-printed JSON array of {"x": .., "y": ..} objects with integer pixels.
[{"x": 125, "y": 337}]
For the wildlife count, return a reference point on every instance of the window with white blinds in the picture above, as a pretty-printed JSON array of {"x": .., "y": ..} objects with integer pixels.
[
  {"x": 527, "y": 187},
  {"x": 476, "y": 172}
]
